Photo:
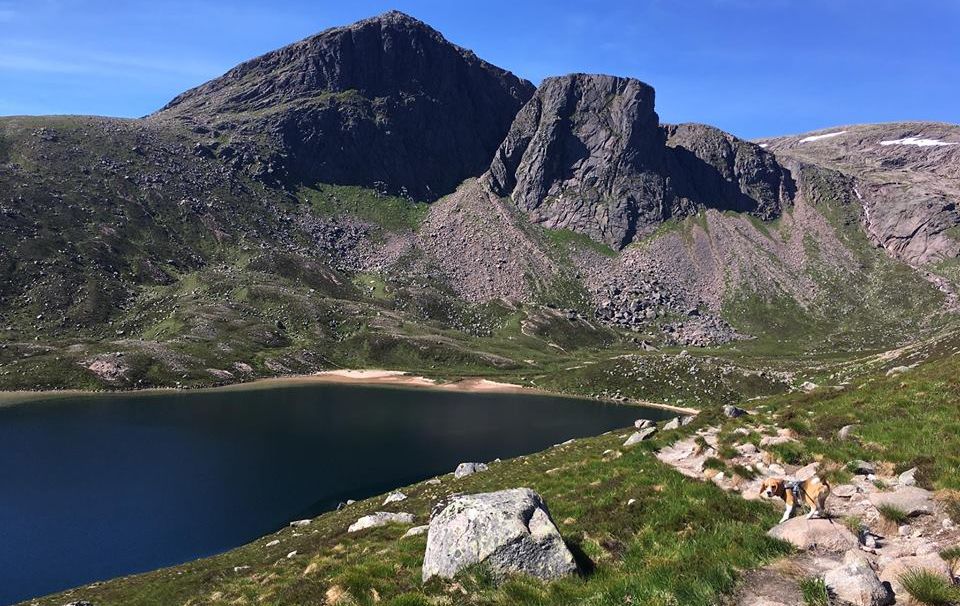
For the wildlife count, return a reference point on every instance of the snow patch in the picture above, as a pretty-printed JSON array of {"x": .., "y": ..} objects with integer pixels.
[
  {"x": 764, "y": 144},
  {"x": 917, "y": 141},
  {"x": 818, "y": 137}
]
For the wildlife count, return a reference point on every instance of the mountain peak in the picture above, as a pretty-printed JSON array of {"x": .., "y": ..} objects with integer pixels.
[{"x": 335, "y": 103}]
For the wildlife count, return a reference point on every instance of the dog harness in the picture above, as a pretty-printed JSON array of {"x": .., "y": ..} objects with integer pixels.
[{"x": 794, "y": 487}]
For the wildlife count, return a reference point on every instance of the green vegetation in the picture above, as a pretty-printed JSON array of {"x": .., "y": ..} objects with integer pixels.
[
  {"x": 565, "y": 239},
  {"x": 814, "y": 592},
  {"x": 930, "y": 589},
  {"x": 390, "y": 213}
]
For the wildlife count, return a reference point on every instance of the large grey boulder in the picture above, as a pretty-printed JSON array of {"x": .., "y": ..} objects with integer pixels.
[
  {"x": 816, "y": 534},
  {"x": 510, "y": 531},
  {"x": 909, "y": 499},
  {"x": 855, "y": 582}
]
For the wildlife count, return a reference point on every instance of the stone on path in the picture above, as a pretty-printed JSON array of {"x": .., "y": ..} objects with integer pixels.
[
  {"x": 908, "y": 478},
  {"x": 816, "y": 534},
  {"x": 911, "y": 500},
  {"x": 510, "y": 530},
  {"x": 465, "y": 469},
  {"x": 380, "y": 518},
  {"x": 855, "y": 582},
  {"x": 844, "y": 491}
]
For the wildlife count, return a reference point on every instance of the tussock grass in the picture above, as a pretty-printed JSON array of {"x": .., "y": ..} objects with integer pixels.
[
  {"x": 814, "y": 592},
  {"x": 929, "y": 589}
]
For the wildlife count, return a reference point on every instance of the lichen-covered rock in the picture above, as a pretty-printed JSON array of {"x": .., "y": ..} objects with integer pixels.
[
  {"x": 380, "y": 518},
  {"x": 911, "y": 500},
  {"x": 856, "y": 582},
  {"x": 510, "y": 531},
  {"x": 639, "y": 436},
  {"x": 465, "y": 469}
]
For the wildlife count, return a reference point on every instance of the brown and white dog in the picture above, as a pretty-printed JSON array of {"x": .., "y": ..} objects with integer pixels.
[{"x": 812, "y": 492}]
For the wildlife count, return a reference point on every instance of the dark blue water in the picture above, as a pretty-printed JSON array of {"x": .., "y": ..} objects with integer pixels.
[{"x": 100, "y": 486}]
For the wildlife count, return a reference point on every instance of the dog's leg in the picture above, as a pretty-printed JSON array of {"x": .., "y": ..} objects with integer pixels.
[{"x": 786, "y": 514}]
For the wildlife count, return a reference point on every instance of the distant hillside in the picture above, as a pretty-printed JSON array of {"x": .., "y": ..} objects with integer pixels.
[{"x": 377, "y": 196}]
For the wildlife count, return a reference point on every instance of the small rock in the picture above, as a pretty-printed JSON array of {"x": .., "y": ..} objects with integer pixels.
[
  {"x": 300, "y": 523},
  {"x": 240, "y": 568},
  {"x": 465, "y": 469},
  {"x": 643, "y": 423},
  {"x": 394, "y": 497},
  {"x": 380, "y": 518},
  {"x": 909, "y": 477},
  {"x": 844, "y": 491},
  {"x": 640, "y": 436},
  {"x": 291, "y": 554},
  {"x": 415, "y": 531},
  {"x": 808, "y": 386},
  {"x": 273, "y": 543},
  {"x": 863, "y": 468},
  {"x": 733, "y": 411},
  {"x": 673, "y": 423}
]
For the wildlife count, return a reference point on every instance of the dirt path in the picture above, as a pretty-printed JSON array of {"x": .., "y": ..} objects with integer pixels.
[{"x": 833, "y": 548}]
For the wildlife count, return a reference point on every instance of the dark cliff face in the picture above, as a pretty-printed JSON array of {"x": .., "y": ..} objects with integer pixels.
[
  {"x": 717, "y": 170},
  {"x": 587, "y": 153},
  {"x": 384, "y": 101}
]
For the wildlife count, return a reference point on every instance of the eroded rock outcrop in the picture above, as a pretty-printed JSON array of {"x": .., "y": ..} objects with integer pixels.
[{"x": 587, "y": 153}]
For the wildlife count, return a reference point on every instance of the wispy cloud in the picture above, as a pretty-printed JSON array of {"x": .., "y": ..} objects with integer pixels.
[{"x": 40, "y": 58}]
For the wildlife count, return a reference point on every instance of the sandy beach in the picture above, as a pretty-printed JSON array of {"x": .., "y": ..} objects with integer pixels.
[{"x": 371, "y": 377}]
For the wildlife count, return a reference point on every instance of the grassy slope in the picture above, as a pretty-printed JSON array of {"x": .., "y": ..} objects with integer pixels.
[{"x": 681, "y": 542}]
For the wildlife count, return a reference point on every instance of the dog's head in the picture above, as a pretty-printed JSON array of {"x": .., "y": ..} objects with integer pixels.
[{"x": 773, "y": 487}]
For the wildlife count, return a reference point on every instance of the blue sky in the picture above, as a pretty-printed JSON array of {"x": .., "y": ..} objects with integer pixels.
[{"x": 752, "y": 67}]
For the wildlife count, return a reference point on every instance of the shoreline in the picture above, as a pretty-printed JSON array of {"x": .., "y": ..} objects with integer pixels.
[{"x": 357, "y": 377}]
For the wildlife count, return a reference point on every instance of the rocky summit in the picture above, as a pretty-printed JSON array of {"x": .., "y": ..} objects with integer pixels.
[{"x": 384, "y": 102}]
